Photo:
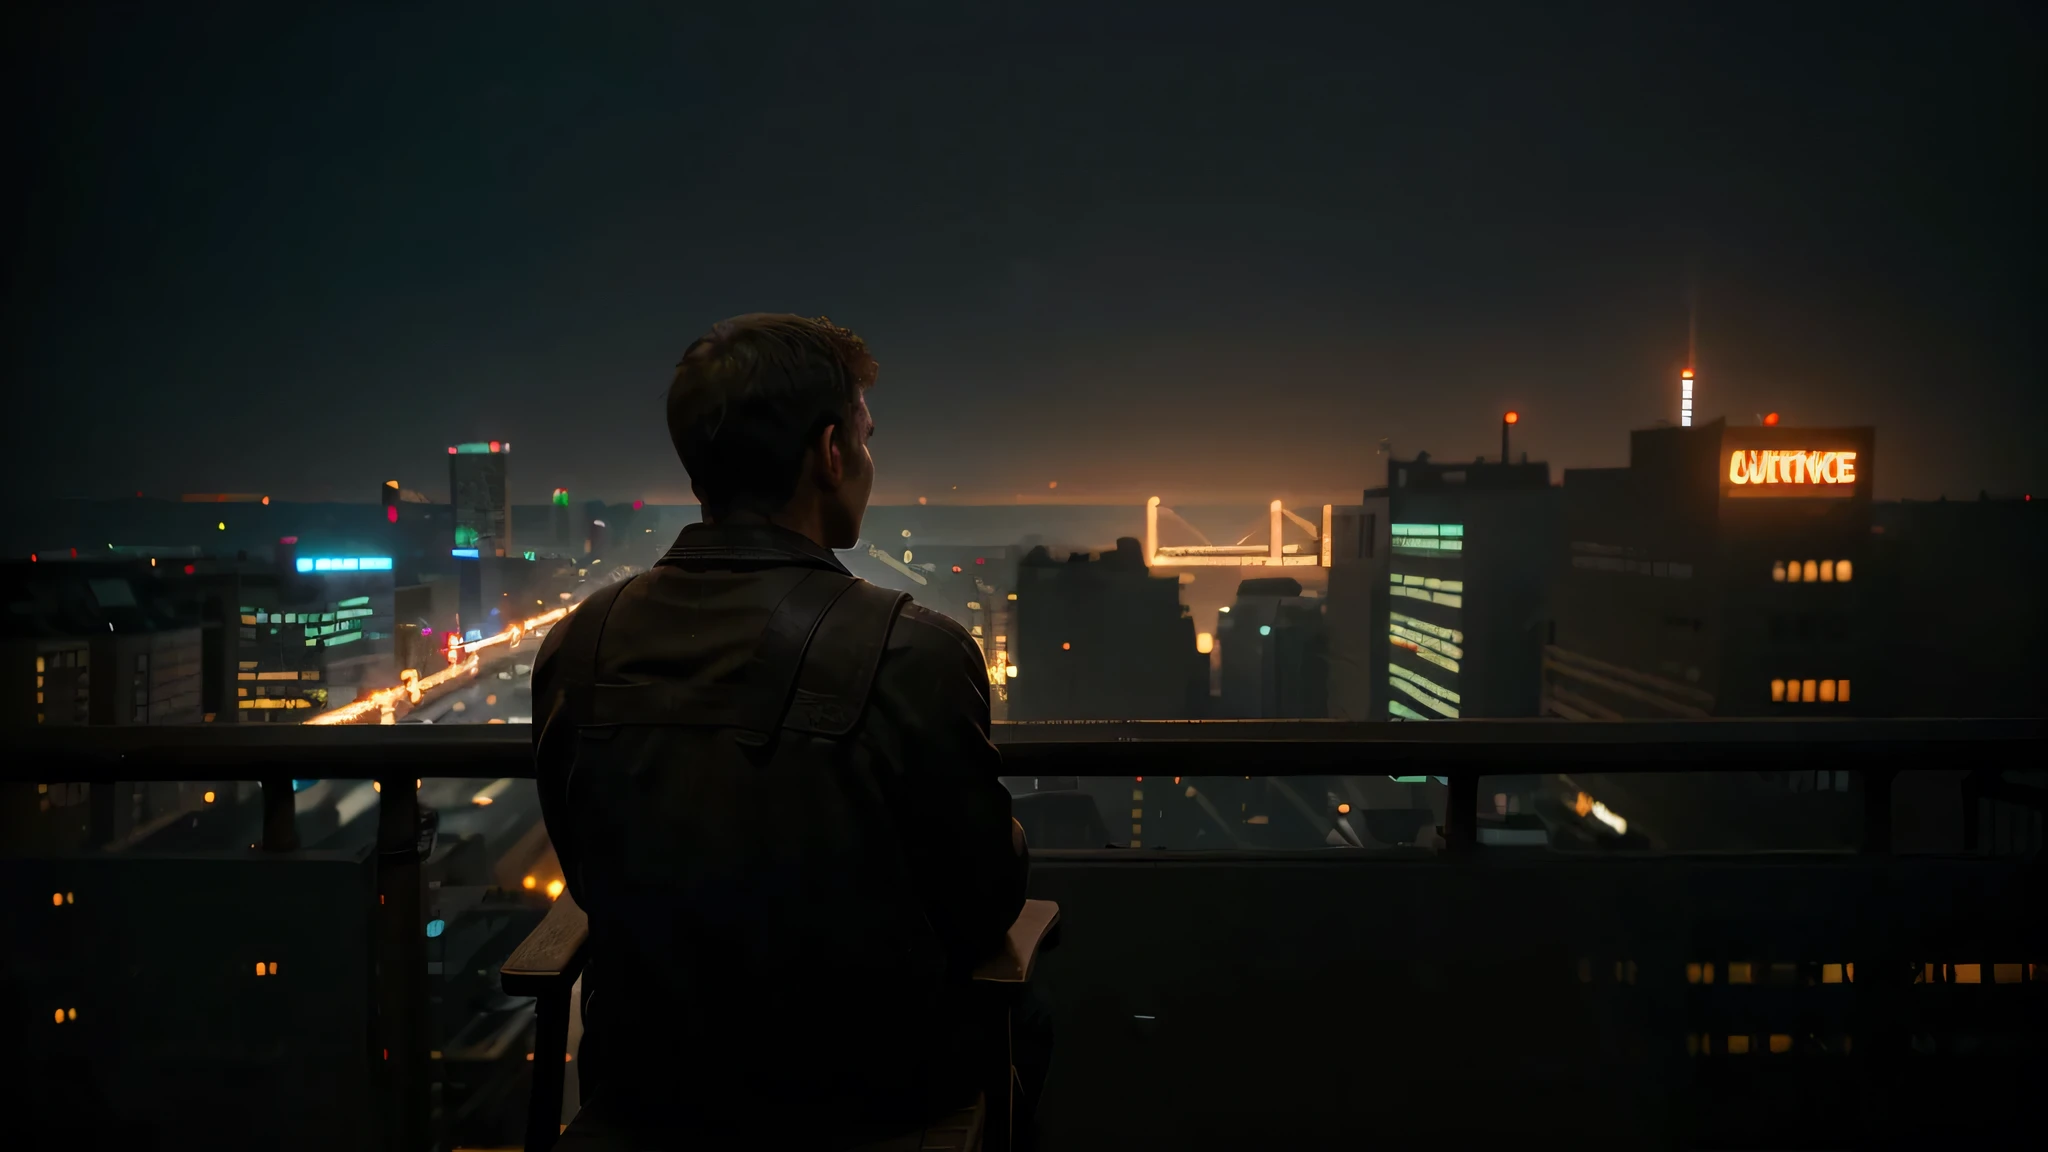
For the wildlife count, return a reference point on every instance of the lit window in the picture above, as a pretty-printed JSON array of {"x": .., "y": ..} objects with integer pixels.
[
  {"x": 1827, "y": 691},
  {"x": 1778, "y": 572},
  {"x": 1738, "y": 1045},
  {"x": 1792, "y": 572},
  {"x": 273, "y": 967},
  {"x": 1831, "y": 973},
  {"x": 1841, "y": 691},
  {"x": 259, "y": 968},
  {"x": 1843, "y": 571},
  {"x": 1807, "y": 691},
  {"x": 1777, "y": 691},
  {"x": 1827, "y": 571},
  {"x": 56, "y": 899},
  {"x": 1812, "y": 571},
  {"x": 1781, "y": 1043}
]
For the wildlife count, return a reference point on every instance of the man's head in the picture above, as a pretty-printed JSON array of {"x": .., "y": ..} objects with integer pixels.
[{"x": 768, "y": 414}]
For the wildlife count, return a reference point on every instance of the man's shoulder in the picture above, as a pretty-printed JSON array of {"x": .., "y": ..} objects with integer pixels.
[{"x": 928, "y": 632}]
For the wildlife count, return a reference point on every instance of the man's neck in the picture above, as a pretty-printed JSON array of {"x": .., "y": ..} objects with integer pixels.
[{"x": 805, "y": 522}]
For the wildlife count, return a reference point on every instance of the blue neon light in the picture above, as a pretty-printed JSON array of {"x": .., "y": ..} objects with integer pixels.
[
  {"x": 463, "y": 553},
  {"x": 436, "y": 927},
  {"x": 344, "y": 564}
]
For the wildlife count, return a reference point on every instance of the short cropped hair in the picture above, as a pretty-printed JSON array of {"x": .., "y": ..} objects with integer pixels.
[{"x": 751, "y": 396}]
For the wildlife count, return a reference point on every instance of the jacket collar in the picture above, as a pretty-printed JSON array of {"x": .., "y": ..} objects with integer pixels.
[{"x": 753, "y": 545}]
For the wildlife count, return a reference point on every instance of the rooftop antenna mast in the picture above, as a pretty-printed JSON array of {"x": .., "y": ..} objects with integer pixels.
[{"x": 1687, "y": 377}]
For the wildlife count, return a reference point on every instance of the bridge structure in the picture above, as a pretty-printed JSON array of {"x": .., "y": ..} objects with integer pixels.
[{"x": 1275, "y": 553}]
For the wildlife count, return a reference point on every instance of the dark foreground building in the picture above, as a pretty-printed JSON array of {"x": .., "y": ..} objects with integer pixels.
[{"x": 1101, "y": 638}]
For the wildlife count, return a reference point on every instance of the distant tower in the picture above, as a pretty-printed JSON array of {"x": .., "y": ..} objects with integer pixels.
[
  {"x": 1692, "y": 355},
  {"x": 483, "y": 510}
]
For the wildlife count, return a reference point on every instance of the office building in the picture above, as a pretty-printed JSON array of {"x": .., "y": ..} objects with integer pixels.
[
  {"x": 1099, "y": 637},
  {"x": 1275, "y": 652},
  {"x": 1468, "y": 563},
  {"x": 1964, "y": 627},
  {"x": 1723, "y": 572},
  {"x": 97, "y": 643},
  {"x": 482, "y": 501}
]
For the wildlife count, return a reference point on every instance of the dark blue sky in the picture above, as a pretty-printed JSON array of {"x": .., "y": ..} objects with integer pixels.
[{"x": 1208, "y": 252}]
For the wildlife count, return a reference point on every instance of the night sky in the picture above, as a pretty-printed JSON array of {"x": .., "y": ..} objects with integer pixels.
[{"x": 1213, "y": 253}]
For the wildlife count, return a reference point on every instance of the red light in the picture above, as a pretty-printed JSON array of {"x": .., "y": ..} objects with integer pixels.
[
  {"x": 391, "y": 514},
  {"x": 1512, "y": 418},
  {"x": 980, "y": 560},
  {"x": 494, "y": 445},
  {"x": 74, "y": 553},
  {"x": 287, "y": 539},
  {"x": 639, "y": 504},
  {"x": 1771, "y": 421},
  {"x": 32, "y": 556},
  {"x": 266, "y": 500},
  {"x": 956, "y": 567},
  {"x": 190, "y": 569},
  {"x": 451, "y": 449}
]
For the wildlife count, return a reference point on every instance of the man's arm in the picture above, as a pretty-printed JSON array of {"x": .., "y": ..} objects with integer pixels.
[{"x": 930, "y": 717}]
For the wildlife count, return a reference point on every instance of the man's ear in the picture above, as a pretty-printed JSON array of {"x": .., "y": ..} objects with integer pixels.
[{"x": 831, "y": 461}]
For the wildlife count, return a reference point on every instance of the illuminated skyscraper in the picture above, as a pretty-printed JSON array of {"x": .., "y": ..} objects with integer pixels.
[
  {"x": 483, "y": 507},
  {"x": 1685, "y": 381}
]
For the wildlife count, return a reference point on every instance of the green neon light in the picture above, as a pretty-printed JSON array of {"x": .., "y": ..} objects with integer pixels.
[{"x": 353, "y": 602}]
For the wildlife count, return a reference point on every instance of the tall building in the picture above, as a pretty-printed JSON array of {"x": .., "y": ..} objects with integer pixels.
[
  {"x": 1982, "y": 658},
  {"x": 1275, "y": 649},
  {"x": 1724, "y": 572},
  {"x": 1468, "y": 569},
  {"x": 1356, "y": 612},
  {"x": 288, "y": 640},
  {"x": 483, "y": 507},
  {"x": 96, "y": 643},
  {"x": 1101, "y": 638}
]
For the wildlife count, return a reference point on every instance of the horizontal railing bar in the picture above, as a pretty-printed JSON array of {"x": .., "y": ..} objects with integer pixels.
[{"x": 1256, "y": 748}]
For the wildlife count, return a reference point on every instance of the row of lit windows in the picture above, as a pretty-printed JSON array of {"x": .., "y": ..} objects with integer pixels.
[
  {"x": 1419, "y": 639},
  {"x": 1447, "y": 599},
  {"x": 1425, "y": 691},
  {"x": 1809, "y": 691},
  {"x": 1416, "y": 647},
  {"x": 75, "y": 658},
  {"x": 308, "y": 674},
  {"x": 1812, "y": 571},
  {"x": 1436, "y": 630}
]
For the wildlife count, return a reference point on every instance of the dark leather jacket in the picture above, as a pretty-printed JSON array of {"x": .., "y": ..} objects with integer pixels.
[{"x": 790, "y": 909}]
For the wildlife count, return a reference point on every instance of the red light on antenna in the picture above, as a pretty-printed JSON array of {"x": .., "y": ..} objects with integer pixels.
[
  {"x": 495, "y": 445},
  {"x": 956, "y": 567},
  {"x": 639, "y": 504},
  {"x": 190, "y": 569},
  {"x": 266, "y": 500},
  {"x": 981, "y": 559},
  {"x": 1771, "y": 421},
  {"x": 451, "y": 449},
  {"x": 1512, "y": 418},
  {"x": 32, "y": 558},
  {"x": 391, "y": 514}
]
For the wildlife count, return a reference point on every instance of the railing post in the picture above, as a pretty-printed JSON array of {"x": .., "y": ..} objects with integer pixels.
[
  {"x": 401, "y": 965},
  {"x": 1461, "y": 812},
  {"x": 280, "y": 823}
]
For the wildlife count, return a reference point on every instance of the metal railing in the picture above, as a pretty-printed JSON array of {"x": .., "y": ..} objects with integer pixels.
[{"x": 1460, "y": 752}]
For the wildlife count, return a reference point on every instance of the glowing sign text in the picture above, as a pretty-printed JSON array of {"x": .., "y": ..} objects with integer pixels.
[{"x": 1772, "y": 466}]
